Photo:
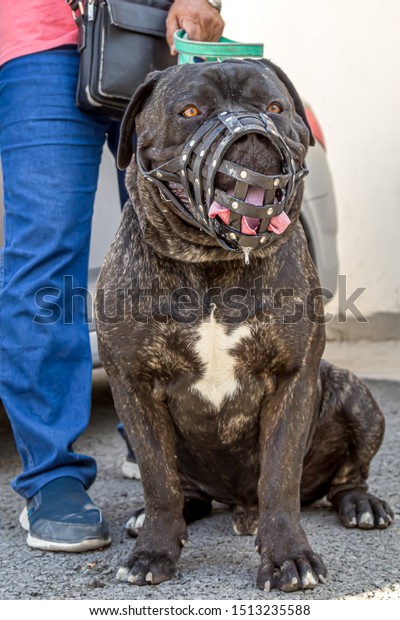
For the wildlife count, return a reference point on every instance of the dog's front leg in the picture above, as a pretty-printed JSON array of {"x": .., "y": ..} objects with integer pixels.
[
  {"x": 151, "y": 432},
  {"x": 287, "y": 560}
]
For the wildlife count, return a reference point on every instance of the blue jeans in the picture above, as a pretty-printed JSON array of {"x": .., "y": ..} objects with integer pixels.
[{"x": 50, "y": 156}]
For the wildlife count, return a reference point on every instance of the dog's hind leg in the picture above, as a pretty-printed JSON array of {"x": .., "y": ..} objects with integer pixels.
[
  {"x": 194, "y": 508},
  {"x": 348, "y": 434},
  {"x": 245, "y": 520}
]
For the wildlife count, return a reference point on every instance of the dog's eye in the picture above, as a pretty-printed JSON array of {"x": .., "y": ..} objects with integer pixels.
[
  {"x": 190, "y": 111},
  {"x": 275, "y": 108}
]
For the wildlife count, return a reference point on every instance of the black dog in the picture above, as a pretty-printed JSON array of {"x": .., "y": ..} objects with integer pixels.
[{"x": 210, "y": 326}]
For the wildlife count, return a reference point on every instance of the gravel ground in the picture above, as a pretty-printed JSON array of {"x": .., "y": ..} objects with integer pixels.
[{"x": 216, "y": 564}]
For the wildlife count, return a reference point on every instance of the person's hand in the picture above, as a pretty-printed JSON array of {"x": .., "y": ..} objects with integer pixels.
[{"x": 198, "y": 18}]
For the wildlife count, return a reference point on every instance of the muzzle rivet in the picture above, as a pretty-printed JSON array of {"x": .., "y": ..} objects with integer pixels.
[
  {"x": 270, "y": 211},
  {"x": 192, "y": 143},
  {"x": 201, "y": 153},
  {"x": 184, "y": 157},
  {"x": 232, "y": 236},
  {"x": 276, "y": 182},
  {"x": 197, "y": 182},
  {"x": 235, "y": 205},
  {"x": 159, "y": 175},
  {"x": 183, "y": 173},
  {"x": 263, "y": 239},
  {"x": 214, "y": 163},
  {"x": 243, "y": 174}
]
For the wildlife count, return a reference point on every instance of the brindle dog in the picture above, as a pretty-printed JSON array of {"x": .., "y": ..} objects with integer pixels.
[{"x": 215, "y": 364}]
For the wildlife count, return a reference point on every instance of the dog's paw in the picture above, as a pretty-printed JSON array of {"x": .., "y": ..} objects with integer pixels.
[
  {"x": 303, "y": 572},
  {"x": 357, "y": 508},
  {"x": 245, "y": 520},
  {"x": 135, "y": 523},
  {"x": 147, "y": 568}
]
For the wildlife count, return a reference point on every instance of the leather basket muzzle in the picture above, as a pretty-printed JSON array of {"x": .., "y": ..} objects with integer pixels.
[{"x": 188, "y": 180}]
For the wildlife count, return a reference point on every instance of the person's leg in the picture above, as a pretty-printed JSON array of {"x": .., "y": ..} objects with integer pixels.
[{"x": 50, "y": 154}]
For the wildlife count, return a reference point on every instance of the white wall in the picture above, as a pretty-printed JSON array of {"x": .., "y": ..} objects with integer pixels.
[{"x": 344, "y": 58}]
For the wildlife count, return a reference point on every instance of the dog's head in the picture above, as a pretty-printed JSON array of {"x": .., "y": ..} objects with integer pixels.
[{"x": 225, "y": 143}]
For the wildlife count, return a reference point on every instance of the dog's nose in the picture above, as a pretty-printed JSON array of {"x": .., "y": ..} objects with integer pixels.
[{"x": 257, "y": 153}]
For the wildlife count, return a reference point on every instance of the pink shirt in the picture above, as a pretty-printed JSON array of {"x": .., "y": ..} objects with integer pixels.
[{"x": 28, "y": 26}]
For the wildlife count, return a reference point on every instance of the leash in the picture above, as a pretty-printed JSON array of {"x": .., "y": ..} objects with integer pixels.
[{"x": 189, "y": 51}]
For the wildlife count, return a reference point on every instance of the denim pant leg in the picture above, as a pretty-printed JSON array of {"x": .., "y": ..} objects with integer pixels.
[{"x": 50, "y": 154}]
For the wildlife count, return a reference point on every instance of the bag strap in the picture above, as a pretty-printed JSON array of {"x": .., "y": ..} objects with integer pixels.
[
  {"x": 77, "y": 11},
  {"x": 225, "y": 48}
]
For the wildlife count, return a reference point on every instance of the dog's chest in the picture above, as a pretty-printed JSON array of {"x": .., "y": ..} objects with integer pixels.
[{"x": 217, "y": 349}]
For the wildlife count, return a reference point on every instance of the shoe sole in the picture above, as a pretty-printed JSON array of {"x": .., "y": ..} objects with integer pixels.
[
  {"x": 89, "y": 544},
  {"x": 85, "y": 545},
  {"x": 130, "y": 470}
]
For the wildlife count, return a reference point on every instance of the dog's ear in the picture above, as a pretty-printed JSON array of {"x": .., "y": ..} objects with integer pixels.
[
  {"x": 298, "y": 104},
  {"x": 125, "y": 148}
]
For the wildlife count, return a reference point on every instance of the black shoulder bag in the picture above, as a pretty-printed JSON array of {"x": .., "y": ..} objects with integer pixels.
[{"x": 120, "y": 42}]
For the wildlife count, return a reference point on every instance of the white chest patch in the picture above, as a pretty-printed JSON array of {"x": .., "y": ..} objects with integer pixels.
[{"x": 214, "y": 349}]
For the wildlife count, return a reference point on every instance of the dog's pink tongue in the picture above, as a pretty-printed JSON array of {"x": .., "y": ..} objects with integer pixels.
[
  {"x": 254, "y": 196},
  {"x": 279, "y": 223},
  {"x": 217, "y": 209}
]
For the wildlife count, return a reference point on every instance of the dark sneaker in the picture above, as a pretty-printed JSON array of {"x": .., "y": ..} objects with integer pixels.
[
  {"x": 130, "y": 468},
  {"x": 62, "y": 517}
]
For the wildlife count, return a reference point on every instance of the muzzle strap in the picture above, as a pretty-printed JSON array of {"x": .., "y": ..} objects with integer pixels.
[{"x": 195, "y": 170}]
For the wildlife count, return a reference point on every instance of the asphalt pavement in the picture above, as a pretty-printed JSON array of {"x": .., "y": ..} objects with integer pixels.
[{"x": 216, "y": 564}]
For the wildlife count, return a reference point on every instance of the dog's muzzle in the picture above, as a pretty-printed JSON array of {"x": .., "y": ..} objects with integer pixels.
[{"x": 250, "y": 214}]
